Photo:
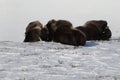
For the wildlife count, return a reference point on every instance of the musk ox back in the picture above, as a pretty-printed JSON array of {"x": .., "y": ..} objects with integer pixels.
[
  {"x": 96, "y": 30},
  {"x": 33, "y": 31},
  {"x": 69, "y": 36}
]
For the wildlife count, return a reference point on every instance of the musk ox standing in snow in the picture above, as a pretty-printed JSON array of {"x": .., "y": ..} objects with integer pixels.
[
  {"x": 63, "y": 32},
  {"x": 33, "y": 31},
  {"x": 96, "y": 30}
]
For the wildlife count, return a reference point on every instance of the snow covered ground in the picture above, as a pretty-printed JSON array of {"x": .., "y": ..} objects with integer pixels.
[{"x": 97, "y": 60}]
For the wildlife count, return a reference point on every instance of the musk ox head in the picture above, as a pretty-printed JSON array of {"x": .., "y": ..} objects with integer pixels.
[
  {"x": 33, "y": 31},
  {"x": 106, "y": 34}
]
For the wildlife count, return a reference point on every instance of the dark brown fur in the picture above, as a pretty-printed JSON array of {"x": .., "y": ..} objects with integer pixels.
[
  {"x": 33, "y": 31},
  {"x": 69, "y": 36},
  {"x": 96, "y": 30},
  {"x": 62, "y": 31},
  {"x": 44, "y": 35},
  {"x": 51, "y": 27}
]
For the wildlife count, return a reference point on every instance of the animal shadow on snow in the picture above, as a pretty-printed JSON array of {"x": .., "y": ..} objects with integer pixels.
[
  {"x": 91, "y": 43},
  {"x": 115, "y": 39}
]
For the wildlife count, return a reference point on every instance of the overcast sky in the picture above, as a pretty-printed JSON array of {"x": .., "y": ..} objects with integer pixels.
[{"x": 16, "y": 14}]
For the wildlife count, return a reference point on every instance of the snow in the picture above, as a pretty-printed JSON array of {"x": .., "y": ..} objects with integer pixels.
[{"x": 97, "y": 60}]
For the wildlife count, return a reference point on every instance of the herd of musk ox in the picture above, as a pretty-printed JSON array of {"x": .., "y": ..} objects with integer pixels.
[{"x": 62, "y": 31}]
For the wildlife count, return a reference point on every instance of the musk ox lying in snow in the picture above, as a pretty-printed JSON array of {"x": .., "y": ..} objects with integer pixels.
[
  {"x": 69, "y": 36},
  {"x": 33, "y": 31},
  {"x": 52, "y": 25},
  {"x": 96, "y": 30},
  {"x": 63, "y": 32}
]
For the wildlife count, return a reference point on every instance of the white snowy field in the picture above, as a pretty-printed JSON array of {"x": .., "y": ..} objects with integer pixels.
[{"x": 97, "y": 60}]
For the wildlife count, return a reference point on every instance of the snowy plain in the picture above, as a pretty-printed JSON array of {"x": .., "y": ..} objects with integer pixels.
[{"x": 97, "y": 60}]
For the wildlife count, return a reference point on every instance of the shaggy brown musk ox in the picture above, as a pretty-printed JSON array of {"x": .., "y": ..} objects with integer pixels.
[
  {"x": 96, "y": 30},
  {"x": 69, "y": 36},
  {"x": 33, "y": 31},
  {"x": 51, "y": 26},
  {"x": 63, "y": 32}
]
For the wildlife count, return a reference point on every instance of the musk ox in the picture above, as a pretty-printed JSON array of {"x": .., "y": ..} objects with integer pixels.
[
  {"x": 33, "y": 31},
  {"x": 69, "y": 36},
  {"x": 63, "y": 32},
  {"x": 96, "y": 30},
  {"x": 51, "y": 26}
]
